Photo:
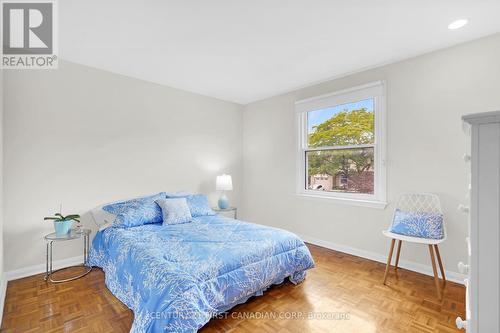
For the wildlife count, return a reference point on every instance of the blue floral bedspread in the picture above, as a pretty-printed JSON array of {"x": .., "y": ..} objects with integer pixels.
[{"x": 176, "y": 277}]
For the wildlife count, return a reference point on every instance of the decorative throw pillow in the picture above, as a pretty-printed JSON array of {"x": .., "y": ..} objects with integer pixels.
[
  {"x": 198, "y": 205},
  {"x": 424, "y": 225},
  {"x": 174, "y": 210},
  {"x": 136, "y": 212}
]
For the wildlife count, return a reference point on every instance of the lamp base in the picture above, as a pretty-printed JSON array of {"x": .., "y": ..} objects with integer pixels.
[{"x": 223, "y": 202}]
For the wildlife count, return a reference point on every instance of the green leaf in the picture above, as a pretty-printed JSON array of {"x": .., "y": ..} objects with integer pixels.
[
  {"x": 59, "y": 217},
  {"x": 345, "y": 128}
]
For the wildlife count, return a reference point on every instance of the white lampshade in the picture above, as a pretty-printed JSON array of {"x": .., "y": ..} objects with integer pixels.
[{"x": 224, "y": 183}]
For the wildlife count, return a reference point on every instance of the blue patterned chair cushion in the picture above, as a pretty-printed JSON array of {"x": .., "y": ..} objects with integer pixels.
[
  {"x": 423, "y": 225},
  {"x": 175, "y": 210},
  {"x": 197, "y": 203},
  {"x": 136, "y": 212}
]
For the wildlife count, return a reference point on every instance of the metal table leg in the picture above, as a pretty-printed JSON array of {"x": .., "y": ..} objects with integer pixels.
[
  {"x": 46, "y": 262},
  {"x": 49, "y": 271}
]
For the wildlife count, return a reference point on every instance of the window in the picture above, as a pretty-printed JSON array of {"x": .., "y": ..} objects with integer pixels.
[{"x": 341, "y": 151}]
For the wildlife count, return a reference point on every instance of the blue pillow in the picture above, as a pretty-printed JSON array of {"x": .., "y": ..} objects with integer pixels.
[
  {"x": 198, "y": 203},
  {"x": 423, "y": 225},
  {"x": 136, "y": 212},
  {"x": 175, "y": 211},
  {"x": 178, "y": 194}
]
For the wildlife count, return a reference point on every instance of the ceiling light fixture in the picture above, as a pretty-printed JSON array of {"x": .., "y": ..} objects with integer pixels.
[{"x": 458, "y": 24}]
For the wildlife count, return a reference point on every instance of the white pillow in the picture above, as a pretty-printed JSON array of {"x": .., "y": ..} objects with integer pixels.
[{"x": 102, "y": 218}]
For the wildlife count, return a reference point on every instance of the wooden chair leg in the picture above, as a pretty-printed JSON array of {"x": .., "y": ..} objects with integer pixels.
[
  {"x": 434, "y": 269},
  {"x": 397, "y": 254},
  {"x": 389, "y": 260},
  {"x": 441, "y": 268}
]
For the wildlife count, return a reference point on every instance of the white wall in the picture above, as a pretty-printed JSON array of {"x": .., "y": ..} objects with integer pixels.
[
  {"x": 82, "y": 137},
  {"x": 426, "y": 97}
]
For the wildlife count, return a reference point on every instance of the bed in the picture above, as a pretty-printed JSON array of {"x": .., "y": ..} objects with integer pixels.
[{"x": 175, "y": 278}]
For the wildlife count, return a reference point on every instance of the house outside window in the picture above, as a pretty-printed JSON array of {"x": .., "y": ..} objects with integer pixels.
[{"x": 341, "y": 146}]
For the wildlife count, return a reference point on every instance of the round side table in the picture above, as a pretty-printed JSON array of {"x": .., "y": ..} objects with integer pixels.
[{"x": 51, "y": 238}]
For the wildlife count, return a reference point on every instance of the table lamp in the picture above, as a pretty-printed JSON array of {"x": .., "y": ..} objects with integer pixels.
[{"x": 224, "y": 183}]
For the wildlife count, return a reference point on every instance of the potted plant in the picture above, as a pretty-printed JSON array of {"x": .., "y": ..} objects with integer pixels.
[{"x": 63, "y": 224}]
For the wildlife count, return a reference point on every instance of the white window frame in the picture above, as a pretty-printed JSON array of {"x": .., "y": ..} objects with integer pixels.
[{"x": 374, "y": 90}]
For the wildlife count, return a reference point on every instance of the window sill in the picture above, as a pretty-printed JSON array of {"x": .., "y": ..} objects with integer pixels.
[{"x": 347, "y": 201}]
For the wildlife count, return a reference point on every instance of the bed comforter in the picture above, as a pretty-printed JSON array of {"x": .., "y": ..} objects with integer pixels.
[{"x": 176, "y": 278}]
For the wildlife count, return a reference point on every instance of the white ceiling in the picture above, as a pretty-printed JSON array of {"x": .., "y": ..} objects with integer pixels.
[{"x": 243, "y": 51}]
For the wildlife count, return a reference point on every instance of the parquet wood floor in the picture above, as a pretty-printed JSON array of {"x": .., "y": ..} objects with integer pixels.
[{"x": 339, "y": 284}]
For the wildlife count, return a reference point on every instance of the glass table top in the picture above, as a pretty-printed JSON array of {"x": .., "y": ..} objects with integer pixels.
[
  {"x": 73, "y": 234},
  {"x": 217, "y": 209}
]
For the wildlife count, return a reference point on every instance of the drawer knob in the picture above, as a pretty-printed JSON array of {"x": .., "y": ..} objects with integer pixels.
[
  {"x": 467, "y": 241},
  {"x": 463, "y": 208},
  {"x": 463, "y": 268},
  {"x": 461, "y": 324},
  {"x": 466, "y": 157}
]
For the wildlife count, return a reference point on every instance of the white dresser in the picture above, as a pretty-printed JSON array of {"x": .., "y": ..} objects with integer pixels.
[{"x": 483, "y": 208}]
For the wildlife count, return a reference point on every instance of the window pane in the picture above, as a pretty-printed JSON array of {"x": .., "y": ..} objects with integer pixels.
[
  {"x": 342, "y": 125},
  {"x": 340, "y": 170}
]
